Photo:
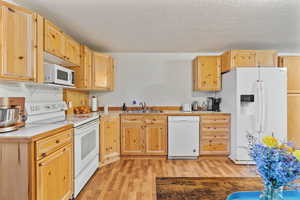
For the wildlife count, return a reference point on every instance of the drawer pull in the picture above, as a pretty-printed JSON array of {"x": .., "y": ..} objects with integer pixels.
[
  {"x": 44, "y": 155},
  {"x": 57, "y": 141}
]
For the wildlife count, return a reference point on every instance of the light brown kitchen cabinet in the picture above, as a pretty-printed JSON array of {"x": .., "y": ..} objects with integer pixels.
[
  {"x": 103, "y": 72},
  {"x": 18, "y": 43},
  {"x": 144, "y": 135},
  {"x": 54, "y": 175},
  {"x": 109, "y": 139},
  {"x": 57, "y": 43},
  {"x": 248, "y": 58},
  {"x": 54, "y": 39},
  {"x": 155, "y": 138},
  {"x": 293, "y": 111},
  {"x": 214, "y": 135},
  {"x": 38, "y": 168},
  {"x": 83, "y": 73},
  {"x": 292, "y": 63},
  {"x": 72, "y": 51},
  {"x": 207, "y": 73},
  {"x": 132, "y": 133}
]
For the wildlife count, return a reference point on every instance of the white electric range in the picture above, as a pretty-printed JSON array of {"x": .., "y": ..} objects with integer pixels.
[{"x": 86, "y": 136}]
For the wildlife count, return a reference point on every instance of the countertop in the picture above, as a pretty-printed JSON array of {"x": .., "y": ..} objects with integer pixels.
[
  {"x": 34, "y": 129},
  {"x": 179, "y": 113}
]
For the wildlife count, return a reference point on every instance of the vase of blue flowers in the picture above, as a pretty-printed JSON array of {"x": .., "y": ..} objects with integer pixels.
[{"x": 277, "y": 163}]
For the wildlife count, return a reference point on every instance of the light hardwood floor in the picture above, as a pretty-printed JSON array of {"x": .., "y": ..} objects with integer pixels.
[{"x": 135, "y": 179}]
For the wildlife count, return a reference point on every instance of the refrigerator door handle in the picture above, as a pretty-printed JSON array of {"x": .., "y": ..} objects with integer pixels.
[
  {"x": 263, "y": 110},
  {"x": 258, "y": 113}
]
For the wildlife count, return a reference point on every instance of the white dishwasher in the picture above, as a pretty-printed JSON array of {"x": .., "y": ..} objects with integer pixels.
[{"x": 183, "y": 137}]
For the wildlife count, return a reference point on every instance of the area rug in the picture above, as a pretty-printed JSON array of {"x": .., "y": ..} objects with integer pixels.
[{"x": 204, "y": 188}]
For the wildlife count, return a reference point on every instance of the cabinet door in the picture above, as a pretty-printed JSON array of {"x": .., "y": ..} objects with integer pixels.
[
  {"x": 72, "y": 51},
  {"x": 103, "y": 72},
  {"x": 266, "y": 58},
  {"x": 132, "y": 139},
  {"x": 244, "y": 58},
  {"x": 54, "y": 40},
  {"x": 207, "y": 70},
  {"x": 83, "y": 72},
  {"x": 18, "y": 44},
  {"x": 293, "y": 118},
  {"x": 292, "y": 63},
  {"x": 55, "y": 175},
  {"x": 156, "y": 139}
]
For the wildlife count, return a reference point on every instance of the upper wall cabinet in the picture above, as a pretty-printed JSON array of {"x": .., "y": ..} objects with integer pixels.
[
  {"x": 207, "y": 73},
  {"x": 61, "y": 45},
  {"x": 72, "y": 51},
  {"x": 292, "y": 63},
  {"x": 248, "y": 58},
  {"x": 103, "y": 72},
  {"x": 18, "y": 43},
  {"x": 83, "y": 73}
]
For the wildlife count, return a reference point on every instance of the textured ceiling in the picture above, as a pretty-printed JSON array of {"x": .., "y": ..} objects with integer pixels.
[{"x": 176, "y": 25}]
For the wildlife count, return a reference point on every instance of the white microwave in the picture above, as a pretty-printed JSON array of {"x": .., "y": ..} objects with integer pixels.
[{"x": 57, "y": 74}]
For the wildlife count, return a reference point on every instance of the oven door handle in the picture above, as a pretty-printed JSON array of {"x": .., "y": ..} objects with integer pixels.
[{"x": 87, "y": 125}]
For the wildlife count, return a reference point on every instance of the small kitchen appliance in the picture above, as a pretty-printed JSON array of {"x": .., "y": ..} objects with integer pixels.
[
  {"x": 12, "y": 113},
  {"x": 187, "y": 108},
  {"x": 195, "y": 106},
  {"x": 56, "y": 74},
  {"x": 213, "y": 104}
]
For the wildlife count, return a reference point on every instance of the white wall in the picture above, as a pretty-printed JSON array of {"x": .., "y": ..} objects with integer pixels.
[
  {"x": 157, "y": 78},
  {"x": 32, "y": 93}
]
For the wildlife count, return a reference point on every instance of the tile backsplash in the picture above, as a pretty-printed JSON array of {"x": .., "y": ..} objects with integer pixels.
[{"x": 32, "y": 92}]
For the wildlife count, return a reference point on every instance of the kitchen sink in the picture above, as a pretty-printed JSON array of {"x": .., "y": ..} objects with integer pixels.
[{"x": 144, "y": 111}]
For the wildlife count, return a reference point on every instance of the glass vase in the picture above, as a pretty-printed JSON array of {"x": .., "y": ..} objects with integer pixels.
[{"x": 271, "y": 193}]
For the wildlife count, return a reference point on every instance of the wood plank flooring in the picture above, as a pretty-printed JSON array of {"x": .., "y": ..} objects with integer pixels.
[{"x": 135, "y": 179}]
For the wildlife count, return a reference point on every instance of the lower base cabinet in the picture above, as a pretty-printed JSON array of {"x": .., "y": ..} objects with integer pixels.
[
  {"x": 293, "y": 124},
  {"x": 143, "y": 135},
  {"x": 37, "y": 168},
  {"x": 109, "y": 139},
  {"x": 54, "y": 175},
  {"x": 214, "y": 135}
]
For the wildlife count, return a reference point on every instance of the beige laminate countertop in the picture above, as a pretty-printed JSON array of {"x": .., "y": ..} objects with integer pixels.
[
  {"x": 165, "y": 113},
  {"x": 33, "y": 131}
]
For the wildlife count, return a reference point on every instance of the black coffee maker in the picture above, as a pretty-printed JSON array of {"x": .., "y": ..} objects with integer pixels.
[{"x": 213, "y": 104}]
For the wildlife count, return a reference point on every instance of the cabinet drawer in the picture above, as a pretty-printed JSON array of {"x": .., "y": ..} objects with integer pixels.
[
  {"x": 215, "y": 119},
  {"x": 214, "y": 135},
  {"x": 132, "y": 119},
  {"x": 214, "y": 146},
  {"x": 214, "y": 128},
  {"x": 50, "y": 144},
  {"x": 155, "y": 120}
]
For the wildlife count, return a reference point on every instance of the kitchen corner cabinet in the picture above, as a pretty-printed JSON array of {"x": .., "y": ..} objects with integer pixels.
[
  {"x": 109, "y": 139},
  {"x": 248, "y": 58},
  {"x": 103, "y": 73},
  {"x": 38, "y": 168},
  {"x": 57, "y": 43},
  {"x": 207, "y": 73},
  {"x": 292, "y": 63},
  {"x": 214, "y": 135},
  {"x": 293, "y": 111},
  {"x": 18, "y": 42},
  {"x": 144, "y": 135}
]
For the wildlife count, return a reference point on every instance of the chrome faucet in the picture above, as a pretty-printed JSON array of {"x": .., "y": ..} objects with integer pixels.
[{"x": 143, "y": 105}]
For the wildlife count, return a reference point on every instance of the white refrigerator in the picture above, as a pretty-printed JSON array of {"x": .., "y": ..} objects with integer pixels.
[{"x": 257, "y": 101}]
